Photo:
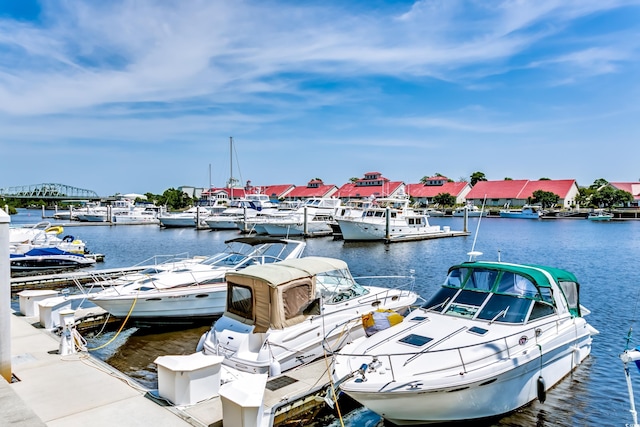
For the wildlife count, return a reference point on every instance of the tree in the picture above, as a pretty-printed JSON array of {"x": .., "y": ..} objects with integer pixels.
[
  {"x": 544, "y": 179},
  {"x": 609, "y": 196},
  {"x": 175, "y": 199},
  {"x": 444, "y": 199},
  {"x": 477, "y": 176},
  {"x": 599, "y": 183},
  {"x": 546, "y": 199},
  {"x": 354, "y": 179},
  {"x": 508, "y": 179}
]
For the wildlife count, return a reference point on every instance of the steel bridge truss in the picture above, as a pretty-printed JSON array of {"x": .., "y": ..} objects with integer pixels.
[{"x": 48, "y": 191}]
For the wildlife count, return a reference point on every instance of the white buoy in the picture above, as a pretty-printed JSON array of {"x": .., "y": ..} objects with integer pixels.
[
  {"x": 275, "y": 369},
  {"x": 67, "y": 321}
]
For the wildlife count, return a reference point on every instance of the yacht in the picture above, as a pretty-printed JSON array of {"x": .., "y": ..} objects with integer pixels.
[
  {"x": 527, "y": 212},
  {"x": 192, "y": 291},
  {"x": 494, "y": 337},
  {"x": 284, "y": 315}
]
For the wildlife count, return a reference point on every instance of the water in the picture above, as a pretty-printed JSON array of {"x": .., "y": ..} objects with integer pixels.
[{"x": 602, "y": 255}]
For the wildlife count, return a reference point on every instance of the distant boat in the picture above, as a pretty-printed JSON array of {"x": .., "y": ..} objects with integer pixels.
[
  {"x": 527, "y": 212},
  {"x": 472, "y": 211},
  {"x": 599, "y": 215}
]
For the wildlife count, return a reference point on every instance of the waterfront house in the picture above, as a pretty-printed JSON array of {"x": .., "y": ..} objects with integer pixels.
[
  {"x": 371, "y": 186},
  {"x": 423, "y": 193},
  {"x": 630, "y": 187},
  {"x": 519, "y": 192}
]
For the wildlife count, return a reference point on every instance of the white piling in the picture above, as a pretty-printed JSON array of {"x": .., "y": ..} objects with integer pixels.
[
  {"x": 5, "y": 298},
  {"x": 67, "y": 321}
]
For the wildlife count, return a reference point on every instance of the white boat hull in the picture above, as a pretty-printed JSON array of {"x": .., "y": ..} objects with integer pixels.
[
  {"x": 357, "y": 229},
  {"x": 470, "y": 394},
  {"x": 169, "y": 306}
]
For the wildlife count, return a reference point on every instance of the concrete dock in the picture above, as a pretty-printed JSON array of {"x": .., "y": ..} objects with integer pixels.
[{"x": 78, "y": 390}]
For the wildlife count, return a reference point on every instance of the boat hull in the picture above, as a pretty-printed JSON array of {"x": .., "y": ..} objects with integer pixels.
[
  {"x": 508, "y": 385},
  {"x": 171, "y": 306},
  {"x": 358, "y": 230}
]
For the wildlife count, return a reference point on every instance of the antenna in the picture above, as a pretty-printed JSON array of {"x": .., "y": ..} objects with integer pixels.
[{"x": 473, "y": 254}]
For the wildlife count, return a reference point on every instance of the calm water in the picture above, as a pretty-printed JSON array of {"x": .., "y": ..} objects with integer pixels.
[{"x": 602, "y": 255}]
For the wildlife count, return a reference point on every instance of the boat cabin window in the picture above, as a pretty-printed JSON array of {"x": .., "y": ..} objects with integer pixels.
[
  {"x": 456, "y": 277},
  {"x": 570, "y": 291},
  {"x": 240, "y": 300},
  {"x": 295, "y": 299},
  {"x": 481, "y": 280},
  {"x": 337, "y": 286},
  {"x": 505, "y": 308},
  {"x": 440, "y": 299},
  {"x": 514, "y": 284}
]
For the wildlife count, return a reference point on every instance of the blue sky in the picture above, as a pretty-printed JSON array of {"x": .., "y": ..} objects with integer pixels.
[{"x": 141, "y": 96}]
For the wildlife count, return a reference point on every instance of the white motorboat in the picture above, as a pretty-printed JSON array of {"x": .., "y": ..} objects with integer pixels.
[
  {"x": 188, "y": 218},
  {"x": 278, "y": 316},
  {"x": 495, "y": 337},
  {"x": 389, "y": 218},
  {"x": 43, "y": 235},
  {"x": 248, "y": 207},
  {"x": 255, "y": 224},
  {"x": 47, "y": 259},
  {"x": 469, "y": 210},
  {"x": 191, "y": 291},
  {"x": 312, "y": 217},
  {"x": 527, "y": 212},
  {"x": 137, "y": 216}
]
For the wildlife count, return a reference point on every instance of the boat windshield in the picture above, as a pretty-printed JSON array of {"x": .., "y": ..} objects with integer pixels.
[
  {"x": 492, "y": 295},
  {"x": 337, "y": 286}
]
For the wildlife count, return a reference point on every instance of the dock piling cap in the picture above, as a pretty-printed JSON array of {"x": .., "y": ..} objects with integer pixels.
[
  {"x": 189, "y": 362},
  {"x": 247, "y": 391}
]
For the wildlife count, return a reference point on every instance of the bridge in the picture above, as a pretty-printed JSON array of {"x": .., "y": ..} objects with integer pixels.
[{"x": 48, "y": 192}]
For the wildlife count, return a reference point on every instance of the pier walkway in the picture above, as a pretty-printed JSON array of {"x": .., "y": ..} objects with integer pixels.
[{"x": 74, "y": 390}]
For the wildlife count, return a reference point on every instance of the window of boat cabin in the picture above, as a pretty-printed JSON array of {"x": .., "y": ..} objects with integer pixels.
[
  {"x": 570, "y": 291},
  {"x": 240, "y": 300},
  {"x": 337, "y": 286},
  {"x": 295, "y": 299}
]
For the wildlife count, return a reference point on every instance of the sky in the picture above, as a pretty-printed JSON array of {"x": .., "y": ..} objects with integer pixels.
[{"x": 142, "y": 96}]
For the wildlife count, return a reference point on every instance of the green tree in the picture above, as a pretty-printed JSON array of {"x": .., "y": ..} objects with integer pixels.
[
  {"x": 544, "y": 179},
  {"x": 175, "y": 199},
  {"x": 609, "y": 197},
  {"x": 477, "y": 176},
  {"x": 508, "y": 179},
  {"x": 444, "y": 199},
  {"x": 546, "y": 199},
  {"x": 599, "y": 183},
  {"x": 354, "y": 179}
]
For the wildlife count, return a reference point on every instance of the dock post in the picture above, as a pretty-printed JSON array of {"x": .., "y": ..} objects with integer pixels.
[
  {"x": 244, "y": 217},
  {"x": 305, "y": 228},
  {"x": 466, "y": 221},
  {"x": 5, "y": 298},
  {"x": 43, "y": 212},
  {"x": 387, "y": 223}
]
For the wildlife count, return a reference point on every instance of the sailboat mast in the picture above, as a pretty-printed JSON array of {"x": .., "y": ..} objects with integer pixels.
[{"x": 231, "y": 167}]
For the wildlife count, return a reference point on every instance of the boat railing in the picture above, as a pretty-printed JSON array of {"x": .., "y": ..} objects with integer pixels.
[
  {"x": 405, "y": 283},
  {"x": 467, "y": 358}
]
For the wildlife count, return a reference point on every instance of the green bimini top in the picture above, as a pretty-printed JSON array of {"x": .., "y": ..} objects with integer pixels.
[{"x": 535, "y": 272}]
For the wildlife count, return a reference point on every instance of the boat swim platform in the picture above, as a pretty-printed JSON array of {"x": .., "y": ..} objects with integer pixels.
[
  {"x": 412, "y": 238},
  {"x": 52, "y": 390}
]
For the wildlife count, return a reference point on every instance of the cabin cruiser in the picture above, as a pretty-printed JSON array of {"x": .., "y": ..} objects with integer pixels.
[
  {"x": 493, "y": 338},
  {"x": 43, "y": 235},
  {"x": 469, "y": 210},
  {"x": 191, "y": 291},
  {"x": 389, "y": 218},
  {"x": 280, "y": 316},
  {"x": 189, "y": 218},
  {"x": 47, "y": 259},
  {"x": 248, "y": 207},
  {"x": 312, "y": 217}
]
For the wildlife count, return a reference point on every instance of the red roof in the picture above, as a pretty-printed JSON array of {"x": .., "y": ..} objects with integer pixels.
[
  {"x": 276, "y": 191},
  {"x": 631, "y": 187},
  {"x": 519, "y": 189},
  {"x": 350, "y": 190},
  {"x": 306, "y": 192},
  {"x": 421, "y": 190}
]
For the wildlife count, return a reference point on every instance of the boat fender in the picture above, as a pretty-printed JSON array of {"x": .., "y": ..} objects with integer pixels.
[
  {"x": 275, "y": 368},
  {"x": 542, "y": 392},
  {"x": 200, "y": 345},
  {"x": 69, "y": 238}
]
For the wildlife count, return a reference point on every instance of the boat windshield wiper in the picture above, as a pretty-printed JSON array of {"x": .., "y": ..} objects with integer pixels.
[
  {"x": 502, "y": 313},
  {"x": 433, "y": 307}
]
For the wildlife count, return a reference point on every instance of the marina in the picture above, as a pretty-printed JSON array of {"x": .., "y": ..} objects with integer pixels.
[{"x": 565, "y": 243}]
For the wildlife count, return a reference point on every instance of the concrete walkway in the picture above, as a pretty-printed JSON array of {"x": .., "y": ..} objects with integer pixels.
[{"x": 74, "y": 390}]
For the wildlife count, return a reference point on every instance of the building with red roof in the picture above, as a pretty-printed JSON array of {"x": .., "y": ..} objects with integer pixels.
[
  {"x": 314, "y": 188},
  {"x": 372, "y": 185},
  {"x": 424, "y": 193},
  {"x": 520, "y": 192},
  {"x": 630, "y": 187}
]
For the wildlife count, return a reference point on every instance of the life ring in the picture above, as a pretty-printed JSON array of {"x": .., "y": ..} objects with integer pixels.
[{"x": 68, "y": 239}]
